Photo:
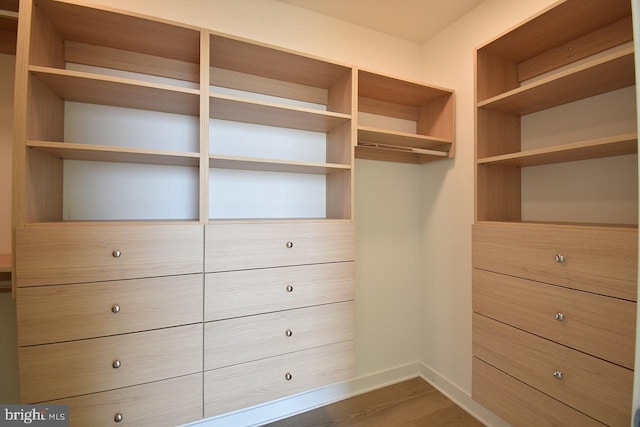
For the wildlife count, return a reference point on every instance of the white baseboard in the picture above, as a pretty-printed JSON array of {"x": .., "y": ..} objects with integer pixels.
[{"x": 293, "y": 405}]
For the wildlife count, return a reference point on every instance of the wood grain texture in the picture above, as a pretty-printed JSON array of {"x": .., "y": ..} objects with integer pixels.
[
  {"x": 593, "y": 386},
  {"x": 411, "y": 403},
  {"x": 245, "y": 339},
  {"x": 76, "y": 254},
  {"x": 143, "y": 304},
  {"x": 54, "y": 371},
  {"x": 601, "y": 326},
  {"x": 242, "y": 293},
  {"x": 602, "y": 260},
  {"x": 520, "y": 404},
  {"x": 164, "y": 403},
  {"x": 248, "y": 384},
  {"x": 228, "y": 246}
]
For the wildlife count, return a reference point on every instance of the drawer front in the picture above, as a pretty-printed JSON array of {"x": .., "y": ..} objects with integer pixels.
[
  {"x": 164, "y": 403},
  {"x": 597, "y": 388},
  {"x": 90, "y": 310},
  {"x": 244, "y": 339},
  {"x": 241, "y": 293},
  {"x": 56, "y": 255},
  {"x": 240, "y": 386},
  {"x": 55, "y": 371},
  {"x": 594, "y": 259},
  {"x": 242, "y": 246},
  {"x": 598, "y": 325},
  {"x": 519, "y": 404}
]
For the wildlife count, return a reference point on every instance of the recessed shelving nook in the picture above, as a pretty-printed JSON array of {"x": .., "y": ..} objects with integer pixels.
[
  {"x": 555, "y": 241},
  {"x": 403, "y": 121}
]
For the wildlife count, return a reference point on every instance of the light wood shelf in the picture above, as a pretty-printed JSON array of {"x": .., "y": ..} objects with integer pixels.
[
  {"x": 402, "y": 139},
  {"x": 91, "y": 88},
  {"x": 233, "y": 108},
  {"x": 101, "y": 153},
  {"x": 268, "y": 165},
  {"x": 592, "y": 149},
  {"x": 610, "y": 72}
]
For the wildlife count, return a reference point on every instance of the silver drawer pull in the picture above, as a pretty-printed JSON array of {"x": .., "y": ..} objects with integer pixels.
[
  {"x": 559, "y": 258},
  {"x": 288, "y": 376},
  {"x": 289, "y": 245},
  {"x": 289, "y": 288},
  {"x": 557, "y": 375},
  {"x": 116, "y": 253},
  {"x": 116, "y": 364},
  {"x": 559, "y": 317},
  {"x": 118, "y": 417},
  {"x": 115, "y": 308},
  {"x": 288, "y": 332}
]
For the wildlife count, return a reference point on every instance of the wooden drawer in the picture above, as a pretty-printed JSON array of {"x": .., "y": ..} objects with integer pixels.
[
  {"x": 248, "y": 384},
  {"x": 68, "y": 312},
  {"x": 240, "y": 246},
  {"x": 244, "y": 339},
  {"x": 602, "y": 260},
  {"x": 519, "y": 404},
  {"x": 56, "y": 255},
  {"x": 593, "y": 386},
  {"x": 242, "y": 293},
  {"x": 164, "y": 403},
  {"x": 602, "y": 326},
  {"x": 55, "y": 371}
]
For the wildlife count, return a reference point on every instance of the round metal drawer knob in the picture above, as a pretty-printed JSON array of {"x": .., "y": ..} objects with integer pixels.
[
  {"x": 288, "y": 376},
  {"x": 288, "y": 332},
  {"x": 289, "y": 288},
  {"x": 557, "y": 375},
  {"x": 116, "y": 253},
  {"x": 559, "y": 317},
  {"x": 289, "y": 245},
  {"x": 115, "y": 308},
  {"x": 559, "y": 258},
  {"x": 118, "y": 417},
  {"x": 116, "y": 364}
]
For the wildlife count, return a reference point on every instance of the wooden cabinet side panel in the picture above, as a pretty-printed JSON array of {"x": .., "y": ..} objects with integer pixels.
[
  {"x": 520, "y": 404},
  {"x": 164, "y": 403}
]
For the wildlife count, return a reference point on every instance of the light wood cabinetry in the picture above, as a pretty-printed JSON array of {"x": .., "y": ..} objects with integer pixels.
[{"x": 554, "y": 302}]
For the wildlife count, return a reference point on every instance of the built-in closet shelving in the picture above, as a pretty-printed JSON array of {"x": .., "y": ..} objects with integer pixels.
[
  {"x": 547, "y": 346},
  {"x": 8, "y": 26},
  {"x": 188, "y": 197}
]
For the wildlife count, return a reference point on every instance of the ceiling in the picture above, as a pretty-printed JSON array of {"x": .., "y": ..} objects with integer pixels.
[{"x": 413, "y": 20}]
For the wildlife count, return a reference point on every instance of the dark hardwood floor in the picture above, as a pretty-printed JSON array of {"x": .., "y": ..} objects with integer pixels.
[{"x": 411, "y": 403}]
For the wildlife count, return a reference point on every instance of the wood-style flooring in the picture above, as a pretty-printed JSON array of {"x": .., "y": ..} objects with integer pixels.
[{"x": 411, "y": 403}]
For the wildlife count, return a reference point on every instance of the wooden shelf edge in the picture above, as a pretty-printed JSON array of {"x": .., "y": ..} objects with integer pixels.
[
  {"x": 402, "y": 139},
  {"x": 269, "y": 165},
  {"x": 105, "y": 153},
  {"x": 597, "y": 148},
  {"x": 247, "y": 110},
  {"x": 524, "y": 100},
  {"x": 632, "y": 227}
]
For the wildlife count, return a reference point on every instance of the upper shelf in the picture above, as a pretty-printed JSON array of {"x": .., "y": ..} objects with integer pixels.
[
  {"x": 269, "y": 165},
  {"x": 592, "y": 149},
  {"x": 118, "y": 92},
  {"x": 600, "y": 75}
]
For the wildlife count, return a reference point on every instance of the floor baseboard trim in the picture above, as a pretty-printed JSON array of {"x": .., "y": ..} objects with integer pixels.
[
  {"x": 293, "y": 405},
  {"x": 460, "y": 397}
]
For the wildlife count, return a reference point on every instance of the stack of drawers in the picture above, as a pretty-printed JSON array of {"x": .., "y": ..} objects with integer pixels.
[
  {"x": 279, "y": 310},
  {"x": 554, "y": 322},
  {"x": 110, "y": 321}
]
